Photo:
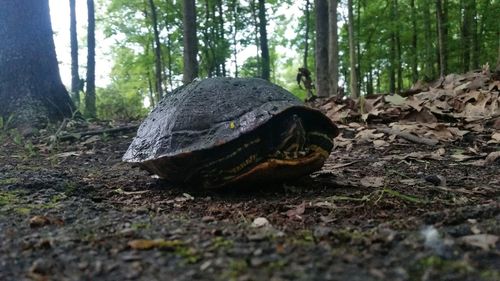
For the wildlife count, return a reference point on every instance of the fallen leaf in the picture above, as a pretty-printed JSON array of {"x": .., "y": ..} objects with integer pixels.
[
  {"x": 38, "y": 221},
  {"x": 147, "y": 244},
  {"x": 297, "y": 212},
  {"x": 483, "y": 241},
  {"x": 492, "y": 157}
]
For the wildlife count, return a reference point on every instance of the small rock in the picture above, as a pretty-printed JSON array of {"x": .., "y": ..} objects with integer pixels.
[
  {"x": 208, "y": 219},
  {"x": 321, "y": 232},
  {"x": 260, "y": 222},
  {"x": 205, "y": 265},
  {"x": 436, "y": 180}
]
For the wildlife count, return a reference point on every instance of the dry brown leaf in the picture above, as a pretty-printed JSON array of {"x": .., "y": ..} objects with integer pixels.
[
  {"x": 492, "y": 157},
  {"x": 147, "y": 244}
]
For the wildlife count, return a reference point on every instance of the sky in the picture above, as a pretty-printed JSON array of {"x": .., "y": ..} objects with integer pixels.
[
  {"x": 60, "y": 25},
  {"x": 59, "y": 12}
]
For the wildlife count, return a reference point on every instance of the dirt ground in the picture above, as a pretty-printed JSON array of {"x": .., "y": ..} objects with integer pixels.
[{"x": 74, "y": 211}]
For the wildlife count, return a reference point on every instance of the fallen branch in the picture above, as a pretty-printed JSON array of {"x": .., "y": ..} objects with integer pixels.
[
  {"x": 78, "y": 135},
  {"x": 408, "y": 136}
]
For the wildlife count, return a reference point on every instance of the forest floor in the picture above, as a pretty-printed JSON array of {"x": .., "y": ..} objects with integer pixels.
[{"x": 405, "y": 211}]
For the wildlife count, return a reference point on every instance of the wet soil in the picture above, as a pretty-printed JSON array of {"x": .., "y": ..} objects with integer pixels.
[{"x": 76, "y": 212}]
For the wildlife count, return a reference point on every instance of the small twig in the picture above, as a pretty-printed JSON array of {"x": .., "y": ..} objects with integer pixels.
[{"x": 408, "y": 136}]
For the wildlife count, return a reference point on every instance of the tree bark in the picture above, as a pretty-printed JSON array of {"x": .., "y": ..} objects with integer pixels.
[
  {"x": 157, "y": 50},
  {"x": 253, "y": 7},
  {"x": 75, "y": 77},
  {"x": 190, "y": 42},
  {"x": 221, "y": 35},
  {"x": 352, "y": 52},
  {"x": 266, "y": 62},
  {"x": 442, "y": 36},
  {"x": 322, "y": 80},
  {"x": 414, "y": 42},
  {"x": 90, "y": 108},
  {"x": 234, "y": 11},
  {"x": 467, "y": 19},
  {"x": 307, "y": 15},
  {"x": 429, "y": 54},
  {"x": 333, "y": 50},
  {"x": 31, "y": 90},
  {"x": 398, "y": 48}
]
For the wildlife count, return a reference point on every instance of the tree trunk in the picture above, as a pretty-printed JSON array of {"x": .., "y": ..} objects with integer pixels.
[
  {"x": 398, "y": 48},
  {"x": 333, "y": 50},
  {"x": 266, "y": 62},
  {"x": 222, "y": 35},
  {"x": 306, "y": 34},
  {"x": 322, "y": 80},
  {"x": 90, "y": 108},
  {"x": 190, "y": 42},
  {"x": 234, "y": 11},
  {"x": 414, "y": 43},
  {"x": 475, "y": 36},
  {"x": 253, "y": 7},
  {"x": 467, "y": 19},
  {"x": 442, "y": 36},
  {"x": 352, "y": 52},
  {"x": 392, "y": 50},
  {"x": 169, "y": 60},
  {"x": 31, "y": 90},
  {"x": 429, "y": 53},
  {"x": 157, "y": 50},
  {"x": 75, "y": 77}
]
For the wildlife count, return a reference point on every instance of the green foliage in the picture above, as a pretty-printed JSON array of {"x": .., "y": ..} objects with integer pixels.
[{"x": 115, "y": 104}]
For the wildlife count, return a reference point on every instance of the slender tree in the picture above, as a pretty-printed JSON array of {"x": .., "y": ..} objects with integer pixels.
[
  {"x": 441, "y": 7},
  {"x": 90, "y": 108},
  {"x": 157, "y": 50},
  {"x": 75, "y": 77},
  {"x": 190, "y": 42},
  {"x": 398, "y": 47},
  {"x": 322, "y": 80},
  {"x": 266, "y": 61},
  {"x": 31, "y": 91},
  {"x": 414, "y": 42},
  {"x": 353, "y": 83},
  {"x": 307, "y": 14},
  {"x": 429, "y": 54},
  {"x": 467, "y": 20},
  {"x": 333, "y": 50}
]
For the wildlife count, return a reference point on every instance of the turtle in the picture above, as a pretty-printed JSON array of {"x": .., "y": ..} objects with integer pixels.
[{"x": 220, "y": 131}]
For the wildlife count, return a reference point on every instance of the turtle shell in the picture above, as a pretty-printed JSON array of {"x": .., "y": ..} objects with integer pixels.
[{"x": 207, "y": 119}]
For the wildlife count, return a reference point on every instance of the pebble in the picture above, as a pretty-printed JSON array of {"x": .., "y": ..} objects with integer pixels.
[{"x": 260, "y": 222}]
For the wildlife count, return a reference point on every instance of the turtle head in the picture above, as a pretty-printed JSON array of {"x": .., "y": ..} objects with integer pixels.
[{"x": 292, "y": 138}]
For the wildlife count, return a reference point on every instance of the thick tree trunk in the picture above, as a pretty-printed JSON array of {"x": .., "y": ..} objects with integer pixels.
[
  {"x": 30, "y": 86},
  {"x": 157, "y": 50},
  {"x": 352, "y": 52},
  {"x": 322, "y": 80},
  {"x": 190, "y": 42},
  {"x": 266, "y": 62},
  {"x": 75, "y": 77},
  {"x": 333, "y": 50},
  {"x": 90, "y": 108},
  {"x": 307, "y": 15},
  {"x": 414, "y": 43},
  {"x": 442, "y": 36}
]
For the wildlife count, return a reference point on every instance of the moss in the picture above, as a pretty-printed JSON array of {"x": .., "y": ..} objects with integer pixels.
[
  {"x": 9, "y": 181},
  {"x": 440, "y": 266},
  {"x": 221, "y": 243},
  {"x": 235, "y": 269}
]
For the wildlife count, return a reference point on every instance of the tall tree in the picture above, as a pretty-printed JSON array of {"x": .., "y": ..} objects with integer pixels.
[
  {"x": 190, "y": 41},
  {"x": 429, "y": 54},
  {"x": 333, "y": 50},
  {"x": 414, "y": 42},
  {"x": 441, "y": 15},
  {"x": 467, "y": 20},
  {"x": 398, "y": 46},
  {"x": 75, "y": 76},
  {"x": 307, "y": 15},
  {"x": 266, "y": 61},
  {"x": 157, "y": 49},
  {"x": 90, "y": 108},
  {"x": 353, "y": 83},
  {"x": 322, "y": 80},
  {"x": 31, "y": 90}
]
